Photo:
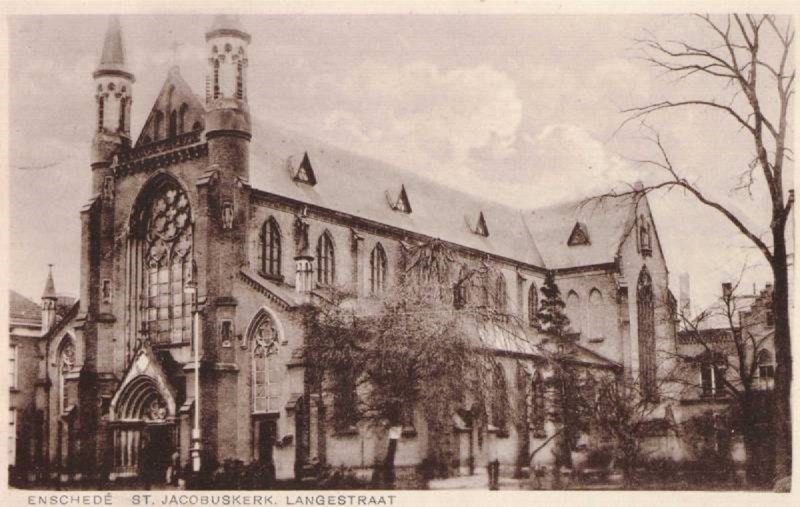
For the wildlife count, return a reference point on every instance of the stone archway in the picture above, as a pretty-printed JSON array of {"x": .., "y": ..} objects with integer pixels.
[{"x": 143, "y": 431}]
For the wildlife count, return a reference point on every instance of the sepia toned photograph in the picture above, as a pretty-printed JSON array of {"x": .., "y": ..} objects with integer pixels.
[{"x": 400, "y": 251}]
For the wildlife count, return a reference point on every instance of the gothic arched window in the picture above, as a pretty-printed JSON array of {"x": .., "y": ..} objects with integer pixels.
[
  {"x": 536, "y": 405},
  {"x": 167, "y": 264},
  {"x": 66, "y": 362},
  {"x": 173, "y": 124},
  {"x": 123, "y": 105},
  {"x": 533, "y": 305},
  {"x": 101, "y": 104},
  {"x": 647, "y": 336},
  {"x": 377, "y": 270},
  {"x": 499, "y": 401},
  {"x": 500, "y": 294},
  {"x": 271, "y": 248},
  {"x": 574, "y": 311},
  {"x": 240, "y": 80},
  {"x": 265, "y": 371},
  {"x": 461, "y": 288},
  {"x": 216, "y": 78},
  {"x": 326, "y": 265},
  {"x": 158, "y": 121},
  {"x": 595, "y": 320},
  {"x": 182, "y": 118},
  {"x": 645, "y": 240}
]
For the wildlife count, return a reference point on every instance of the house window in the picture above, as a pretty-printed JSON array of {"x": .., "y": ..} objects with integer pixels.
[
  {"x": 770, "y": 318},
  {"x": 377, "y": 269},
  {"x": 712, "y": 375},
  {"x": 533, "y": 305},
  {"x": 271, "y": 248},
  {"x": 766, "y": 370},
  {"x": 216, "y": 78},
  {"x": 12, "y": 437},
  {"x": 326, "y": 266},
  {"x": 167, "y": 259},
  {"x": 13, "y": 365},
  {"x": 265, "y": 372}
]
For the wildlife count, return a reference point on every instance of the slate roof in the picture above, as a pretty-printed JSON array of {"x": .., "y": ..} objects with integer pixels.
[
  {"x": 23, "y": 308},
  {"x": 366, "y": 188}
]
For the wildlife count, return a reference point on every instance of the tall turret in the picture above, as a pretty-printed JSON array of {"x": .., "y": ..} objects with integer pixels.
[
  {"x": 113, "y": 85},
  {"x": 228, "y": 117},
  {"x": 49, "y": 300}
]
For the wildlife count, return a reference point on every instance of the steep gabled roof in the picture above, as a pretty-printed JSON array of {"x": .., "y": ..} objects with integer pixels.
[
  {"x": 357, "y": 186},
  {"x": 20, "y": 307},
  {"x": 174, "y": 93}
]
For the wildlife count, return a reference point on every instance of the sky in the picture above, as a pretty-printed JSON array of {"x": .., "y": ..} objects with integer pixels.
[{"x": 522, "y": 109}]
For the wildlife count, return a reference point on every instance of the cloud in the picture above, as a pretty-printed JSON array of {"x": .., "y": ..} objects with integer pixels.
[{"x": 418, "y": 113}]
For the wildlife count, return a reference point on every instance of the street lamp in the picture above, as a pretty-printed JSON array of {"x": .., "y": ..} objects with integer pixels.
[{"x": 191, "y": 288}]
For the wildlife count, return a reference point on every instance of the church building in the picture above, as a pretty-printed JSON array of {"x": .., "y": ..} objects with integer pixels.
[{"x": 207, "y": 231}]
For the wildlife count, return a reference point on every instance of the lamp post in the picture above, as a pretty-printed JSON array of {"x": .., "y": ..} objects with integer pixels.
[{"x": 195, "y": 451}]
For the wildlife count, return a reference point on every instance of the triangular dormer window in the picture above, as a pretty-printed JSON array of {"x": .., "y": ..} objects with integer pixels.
[
  {"x": 480, "y": 228},
  {"x": 579, "y": 235},
  {"x": 305, "y": 173},
  {"x": 400, "y": 204}
]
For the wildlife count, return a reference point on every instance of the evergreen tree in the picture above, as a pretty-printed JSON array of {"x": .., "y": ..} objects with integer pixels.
[{"x": 551, "y": 317}]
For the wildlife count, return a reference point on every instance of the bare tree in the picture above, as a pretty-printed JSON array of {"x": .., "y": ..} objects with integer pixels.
[{"x": 766, "y": 81}]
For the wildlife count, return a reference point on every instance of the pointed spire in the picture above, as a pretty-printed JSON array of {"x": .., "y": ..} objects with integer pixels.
[
  {"x": 113, "y": 52},
  {"x": 112, "y": 60},
  {"x": 49, "y": 286}
]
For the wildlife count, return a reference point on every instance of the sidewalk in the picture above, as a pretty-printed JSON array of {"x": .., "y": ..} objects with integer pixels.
[{"x": 478, "y": 481}]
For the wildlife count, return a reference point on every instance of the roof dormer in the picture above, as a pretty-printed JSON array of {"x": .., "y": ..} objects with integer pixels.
[
  {"x": 401, "y": 203},
  {"x": 579, "y": 235},
  {"x": 305, "y": 172},
  {"x": 481, "y": 228}
]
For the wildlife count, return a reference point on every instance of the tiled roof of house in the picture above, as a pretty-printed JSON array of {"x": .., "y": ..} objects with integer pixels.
[
  {"x": 369, "y": 189},
  {"x": 23, "y": 308}
]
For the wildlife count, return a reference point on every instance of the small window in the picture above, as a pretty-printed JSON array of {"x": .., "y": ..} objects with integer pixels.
[
  {"x": 712, "y": 376},
  {"x": 579, "y": 235},
  {"x": 499, "y": 401},
  {"x": 766, "y": 370},
  {"x": 770, "y": 318},
  {"x": 226, "y": 333},
  {"x": 461, "y": 289},
  {"x": 106, "y": 291},
  {"x": 645, "y": 239}
]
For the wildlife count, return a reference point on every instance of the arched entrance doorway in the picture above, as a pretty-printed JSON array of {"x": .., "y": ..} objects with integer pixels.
[{"x": 143, "y": 432}]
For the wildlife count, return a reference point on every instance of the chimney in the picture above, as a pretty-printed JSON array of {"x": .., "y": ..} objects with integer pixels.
[
  {"x": 684, "y": 295},
  {"x": 727, "y": 290}
]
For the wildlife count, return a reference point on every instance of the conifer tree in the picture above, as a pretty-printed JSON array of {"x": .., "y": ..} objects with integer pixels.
[{"x": 551, "y": 317}]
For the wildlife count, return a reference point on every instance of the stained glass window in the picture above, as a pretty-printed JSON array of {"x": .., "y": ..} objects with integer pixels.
[
  {"x": 647, "y": 338},
  {"x": 168, "y": 266},
  {"x": 66, "y": 361},
  {"x": 265, "y": 372}
]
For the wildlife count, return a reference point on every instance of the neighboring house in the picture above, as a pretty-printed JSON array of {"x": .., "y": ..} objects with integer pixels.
[
  {"x": 25, "y": 329},
  {"x": 733, "y": 335},
  {"x": 212, "y": 210}
]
